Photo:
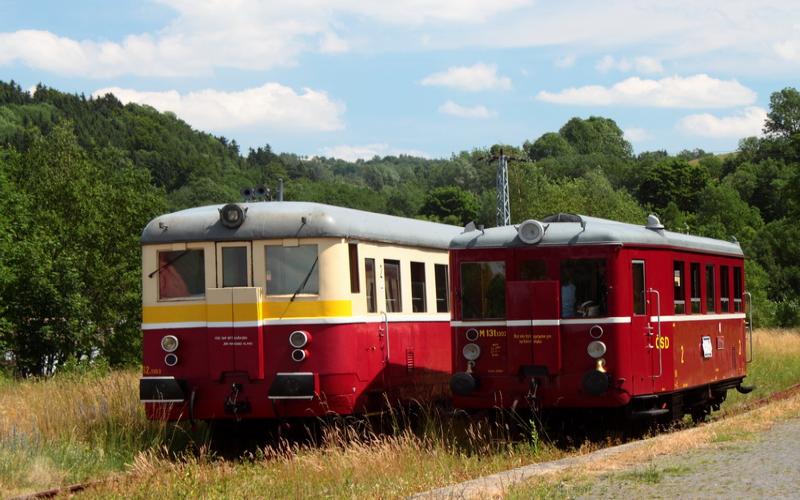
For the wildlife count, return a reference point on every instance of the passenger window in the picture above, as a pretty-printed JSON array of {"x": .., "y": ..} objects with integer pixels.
[
  {"x": 369, "y": 271},
  {"x": 711, "y": 297},
  {"x": 483, "y": 290},
  {"x": 355, "y": 286},
  {"x": 418, "y": 299},
  {"x": 391, "y": 273},
  {"x": 679, "y": 289},
  {"x": 292, "y": 270},
  {"x": 532, "y": 270},
  {"x": 442, "y": 291},
  {"x": 724, "y": 290},
  {"x": 181, "y": 274},
  {"x": 737, "y": 289},
  {"x": 694, "y": 269},
  {"x": 638, "y": 287},
  {"x": 584, "y": 289},
  {"x": 234, "y": 266}
]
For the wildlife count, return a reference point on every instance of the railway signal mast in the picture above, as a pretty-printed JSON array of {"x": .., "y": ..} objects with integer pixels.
[{"x": 503, "y": 206}]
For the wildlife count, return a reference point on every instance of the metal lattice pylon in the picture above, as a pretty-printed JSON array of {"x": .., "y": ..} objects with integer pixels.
[{"x": 503, "y": 206}]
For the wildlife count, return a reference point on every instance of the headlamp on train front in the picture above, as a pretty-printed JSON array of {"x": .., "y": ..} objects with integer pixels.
[
  {"x": 471, "y": 352},
  {"x": 232, "y": 215},
  {"x": 169, "y": 343},
  {"x": 596, "y": 349},
  {"x": 298, "y": 339}
]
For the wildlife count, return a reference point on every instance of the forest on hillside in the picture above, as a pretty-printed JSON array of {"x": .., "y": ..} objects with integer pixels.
[{"x": 80, "y": 177}]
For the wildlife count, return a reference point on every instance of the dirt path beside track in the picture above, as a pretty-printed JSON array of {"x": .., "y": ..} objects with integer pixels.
[
  {"x": 754, "y": 454},
  {"x": 761, "y": 465}
]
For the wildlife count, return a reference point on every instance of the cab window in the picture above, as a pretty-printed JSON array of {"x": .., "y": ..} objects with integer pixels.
[
  {"x": 584, "y": 289},
  {"x": 292, "y": 270},
  {"x": 181, "y": 274},
  {"x": 483, "y": 290}
]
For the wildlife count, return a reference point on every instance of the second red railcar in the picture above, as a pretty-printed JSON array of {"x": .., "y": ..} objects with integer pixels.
[{"x": 576, "y": 312}]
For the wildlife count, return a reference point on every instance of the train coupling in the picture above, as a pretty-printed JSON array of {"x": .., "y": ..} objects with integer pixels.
[
  {"x": 745, "y": 389},
  {"x": 233, "y": 404},
  {"x": 463, "y": 383}
]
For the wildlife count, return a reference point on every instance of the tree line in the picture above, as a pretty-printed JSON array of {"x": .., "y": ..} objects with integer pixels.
[{"x": 80, "y": 177}]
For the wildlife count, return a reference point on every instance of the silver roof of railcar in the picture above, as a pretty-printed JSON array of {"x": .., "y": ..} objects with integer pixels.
[
  {"x": 284, "y": 219},
  {"x": 594, "y": 231}
]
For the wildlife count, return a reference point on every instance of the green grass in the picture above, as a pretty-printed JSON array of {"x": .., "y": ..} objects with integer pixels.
[{"x": 775, "y": 366}]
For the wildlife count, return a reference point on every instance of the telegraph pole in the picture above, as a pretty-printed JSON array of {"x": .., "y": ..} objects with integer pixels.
[{"x": 503, "y": 206}]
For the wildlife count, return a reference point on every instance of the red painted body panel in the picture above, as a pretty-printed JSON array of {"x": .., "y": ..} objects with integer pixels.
[
  {"x": 349, "y": 363},
  {"x": 638, "y": 361}
]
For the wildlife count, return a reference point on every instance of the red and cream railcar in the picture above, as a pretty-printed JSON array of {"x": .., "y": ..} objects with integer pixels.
[
  {"x": 577, "y": 312},
  {"x": 288, "y": 309}
]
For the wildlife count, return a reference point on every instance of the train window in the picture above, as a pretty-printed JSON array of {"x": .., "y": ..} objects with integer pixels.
[
  {"x": 694, "y": 283},
  {"x": 369, "y": 270},
  {"x": 532, "y": 270},
  {"x": 442, "y": 293},
  {"x": 584, "y": 290},
  {"x": 234, "y": 266},
  {"x": 724, "y": 289},
  {"x": 679, "y": 288},
  {"x": 711, "y": 297},
  {"x": 292, "y": 270},
  {"x": 391, "y": 276},
  {"x": 483, "y": 290},
  {"x": 737, "y": 289},
  {"x": 418, "y": 299},
  {"x": 352, "y": 249},
  {"x": 638, "y": 287},
  {"x": 181, "y": 274}
]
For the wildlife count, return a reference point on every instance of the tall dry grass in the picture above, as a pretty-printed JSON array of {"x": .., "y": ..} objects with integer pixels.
[
  {"x": 73, "y": 427},
  {"x": 775, "y": 366}
]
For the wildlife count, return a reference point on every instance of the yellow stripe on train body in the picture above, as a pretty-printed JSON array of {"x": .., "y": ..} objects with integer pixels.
[{"x": 217, "y": 313}]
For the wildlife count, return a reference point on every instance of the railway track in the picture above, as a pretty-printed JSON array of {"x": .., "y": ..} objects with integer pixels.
[{"x": 740, "y": 409}]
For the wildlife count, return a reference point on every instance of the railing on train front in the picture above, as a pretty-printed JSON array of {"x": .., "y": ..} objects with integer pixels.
[
  {"x": 658, "y": 334},
  {"x": 749, "y": 323}
]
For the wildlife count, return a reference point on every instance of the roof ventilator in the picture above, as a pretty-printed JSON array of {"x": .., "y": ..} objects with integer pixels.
[{"x": 653, "y": 223}]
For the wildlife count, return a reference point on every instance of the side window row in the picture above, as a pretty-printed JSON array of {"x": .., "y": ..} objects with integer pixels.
[
  {"x": 291, "y": 270},
  {"x": 393, "y": 287},
  {"x": 695, "y": 289}
]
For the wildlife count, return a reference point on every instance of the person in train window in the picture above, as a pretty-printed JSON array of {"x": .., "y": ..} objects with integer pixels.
[{"x": 567, "y": 295}]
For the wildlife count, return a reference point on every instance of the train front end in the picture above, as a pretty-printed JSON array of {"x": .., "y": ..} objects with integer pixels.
[{"x": 272, "y": 310}]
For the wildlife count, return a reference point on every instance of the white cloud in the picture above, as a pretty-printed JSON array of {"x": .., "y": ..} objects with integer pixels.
[
  {"x": 256, "y": 35},
  {"x": 471, "y": 78},
  {"x": 639, "y": 64},
  {"x": 567, "y": 61},
  {"x": 367, "y": 152},
  {"x": 451, "y": 108},
  {"x": 240, "y": 34},
  {"x": 331, "y": 43},
  {"x": 417, "y": 12},
  {"x": 271, "y": 105},
  {"x": 698, "y": 91},
  {"x": 788, "y": 50},
  {"x": 634, "y": 134},
  {"x": 745, "y": 123}
]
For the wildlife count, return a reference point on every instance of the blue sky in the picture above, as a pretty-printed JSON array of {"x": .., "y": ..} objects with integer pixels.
[{"x": 352, "y": 78}]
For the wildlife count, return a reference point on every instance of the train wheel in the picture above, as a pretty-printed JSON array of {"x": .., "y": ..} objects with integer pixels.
[{"x": 700, "y": 413}]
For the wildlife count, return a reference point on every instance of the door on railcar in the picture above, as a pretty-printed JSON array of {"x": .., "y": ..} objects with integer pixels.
[
  {"x": 532, "y": 306},
  {"x": 234, "y": 313},
  {"x": 645, "y": 316}
]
